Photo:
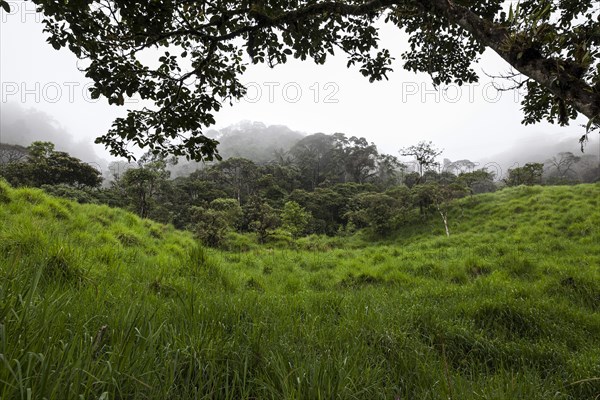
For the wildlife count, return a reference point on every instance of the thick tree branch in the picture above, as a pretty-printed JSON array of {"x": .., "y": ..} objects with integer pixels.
[{"x": 557, "y": 76}]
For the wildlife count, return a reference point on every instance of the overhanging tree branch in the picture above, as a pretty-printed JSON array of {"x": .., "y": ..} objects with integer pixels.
[
  {"x": 446, "y": 37},
  {"x": 560, "y": 77}
]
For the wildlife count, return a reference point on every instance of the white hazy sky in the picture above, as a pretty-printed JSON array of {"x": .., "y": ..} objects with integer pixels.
[{"x": 474, "y": 121}]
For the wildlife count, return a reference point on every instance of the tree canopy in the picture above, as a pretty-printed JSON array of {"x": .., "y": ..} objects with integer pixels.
[
  {"x": 185, "y": 58},
  {"x": 424, "y": 153},
  {"x": 39, "y": 164}
]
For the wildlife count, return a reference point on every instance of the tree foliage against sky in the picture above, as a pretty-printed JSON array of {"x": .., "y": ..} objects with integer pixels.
[
  {"x": 185, "y": 58},
  {"x": 424, "y": 153}
]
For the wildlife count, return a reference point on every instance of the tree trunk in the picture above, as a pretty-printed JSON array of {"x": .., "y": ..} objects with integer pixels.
[{"x": 444, "y": 216}]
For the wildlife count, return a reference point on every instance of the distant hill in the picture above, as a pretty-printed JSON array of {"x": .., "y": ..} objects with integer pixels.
[
  {"x": 254, "y": 140},
  {"x": 540, "y": 148}
]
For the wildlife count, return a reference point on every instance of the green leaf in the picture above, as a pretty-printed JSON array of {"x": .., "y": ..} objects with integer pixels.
[{"x": 5, "y": 6}]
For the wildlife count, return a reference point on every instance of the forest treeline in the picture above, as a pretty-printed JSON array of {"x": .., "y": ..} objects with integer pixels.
[{"x": 322, "y": 184}]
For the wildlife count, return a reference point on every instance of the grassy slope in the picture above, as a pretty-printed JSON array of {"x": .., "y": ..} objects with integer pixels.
[{"x": 96, "y": 302}]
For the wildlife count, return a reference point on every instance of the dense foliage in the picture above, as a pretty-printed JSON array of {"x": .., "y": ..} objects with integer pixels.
[
  {"x": 322, "y": 184},
  {"x": 39, "y": 164}
]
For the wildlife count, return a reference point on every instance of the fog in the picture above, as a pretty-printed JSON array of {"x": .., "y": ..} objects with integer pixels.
[
  {"x": 22, "y": 126},
  {"x": 539, "y": 148}
]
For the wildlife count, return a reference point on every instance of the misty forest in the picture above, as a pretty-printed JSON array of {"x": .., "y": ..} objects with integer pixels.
[{"x": 259, "y": 262}]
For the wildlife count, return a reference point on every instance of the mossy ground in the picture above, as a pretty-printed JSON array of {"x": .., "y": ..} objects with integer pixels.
[{"x": 97, "y": 303}]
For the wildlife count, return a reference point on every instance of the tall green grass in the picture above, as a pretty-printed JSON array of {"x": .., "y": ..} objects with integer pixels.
[{"x": 96, "y": 303}]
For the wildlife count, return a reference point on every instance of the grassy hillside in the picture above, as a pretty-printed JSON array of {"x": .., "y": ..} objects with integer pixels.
[{"x": 98, "y": 304}]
